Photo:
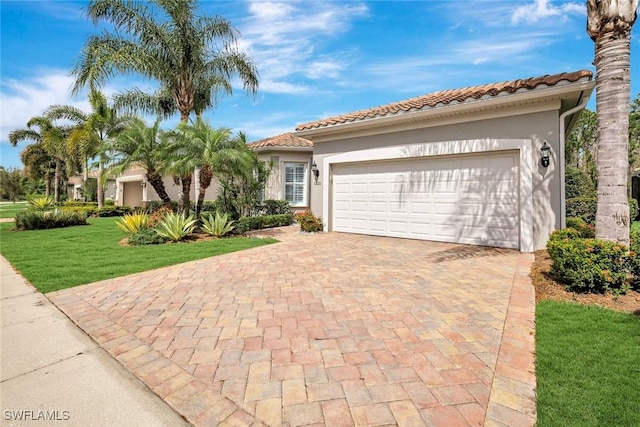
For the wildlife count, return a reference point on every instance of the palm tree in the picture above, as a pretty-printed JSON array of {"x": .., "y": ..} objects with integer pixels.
[
  {"x": 141, "y": 145},
  {"x": 52, "y": 139},
  {"x": 38, "y": 165},
  {"x": 165, "y": 41},
  {"x": 609, "y": 25},
  {"x": 201, "y": 146},
  {"x": 92, "y": 133}
]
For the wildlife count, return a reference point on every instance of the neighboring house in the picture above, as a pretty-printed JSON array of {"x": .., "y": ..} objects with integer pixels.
[
  {"x": 132, "y": 189},
  {"x": 75, "y": 182},
  {"x": 290, "y": 177},
  {"x": 635, "y": 185},
  {"x": 460, "y": 165}
]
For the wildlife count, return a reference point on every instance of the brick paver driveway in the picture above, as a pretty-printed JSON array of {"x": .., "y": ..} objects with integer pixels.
[{"x": 331, "y": 329}]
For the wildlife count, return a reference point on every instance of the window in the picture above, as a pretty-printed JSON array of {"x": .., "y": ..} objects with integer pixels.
[{"x": 295, "y": 183}]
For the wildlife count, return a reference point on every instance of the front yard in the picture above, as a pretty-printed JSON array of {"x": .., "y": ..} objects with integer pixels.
[
  {"x": 587, "y": 356},
  {"x": 66, "y": 257}
]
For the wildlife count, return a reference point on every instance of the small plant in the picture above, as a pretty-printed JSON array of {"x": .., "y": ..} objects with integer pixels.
[
  {"x": 133, "y": 223},
  {"x": 586, "y": 231},
  {"x": 158, "y": 214},
  {"x": 309, "y": 222},
  {"x": 216, "y": 225},
  {"x": 37, "y": 220},
  {"x": 147, "y": 236},
  {"x": 41, "y": 203},
  {"x": 176, "y": 227}
]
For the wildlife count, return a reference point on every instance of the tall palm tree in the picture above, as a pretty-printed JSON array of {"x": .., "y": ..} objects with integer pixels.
[
  {"x": 92, "y": 133},
  {"x": 192, "y": 57},
  {"x": 38, "y": 165},
  {"x": 141, "y": 145},
  {"x": 52, "y": 139},
  {"x": 609, "y": 25}
]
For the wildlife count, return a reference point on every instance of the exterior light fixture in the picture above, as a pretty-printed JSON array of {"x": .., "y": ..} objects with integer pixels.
[
  {"x": 315, "y": 171},
  {"x": 545, "y": 154}
]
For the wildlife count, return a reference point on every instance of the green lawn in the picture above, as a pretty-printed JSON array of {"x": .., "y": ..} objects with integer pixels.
[
  {"x": 588, "y": 366},
  {"x": 8, "y": 210},
  {"x": 65, "y": 257},
  {"x": 635, "y": 226}
]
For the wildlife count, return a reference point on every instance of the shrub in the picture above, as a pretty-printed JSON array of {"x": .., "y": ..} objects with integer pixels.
[
  {"x": 156, "y": 217},
  {"x": 39, "y": 220},
  {"x": 216, "y": 225},
  {"x": 249, "y": 223},
  {"x": 308, "y": 221},
  {"x": 41, "y": 203},
  {"x": 157, "y": 204},
  {"x": 634, "y": 259},
  {"x": 634, "y": 209},
  {"x": 133, "y": 223},
  {"x": 585, "y": 208},
  {"x": 584, "y": 230},
  {"x": 113, "y": 211},
  {"x": 274, "y": 207},
  {"x": 578, "y": 184},
  {"x": 176, "y": 227},
  {"x": 589, "y": 265},
  {"x": 147, "y": 236},
  {"x": 582, "y": 207},
  {"x": 88, "y": 210},
  {"x": 109, "y": 202}
]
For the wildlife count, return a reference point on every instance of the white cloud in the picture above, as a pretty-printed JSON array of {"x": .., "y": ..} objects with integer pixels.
[{"x": 541, "y": 9}]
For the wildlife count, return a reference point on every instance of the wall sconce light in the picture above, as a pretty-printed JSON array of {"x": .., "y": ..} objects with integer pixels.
[
  {"x": 545, "y": 154},
  {"x": 143, "y": 184},
  {"x": 316, "y": 172}
]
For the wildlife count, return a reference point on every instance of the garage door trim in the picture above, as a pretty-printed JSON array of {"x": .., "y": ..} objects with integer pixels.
[{"x": 476, "y": 146}]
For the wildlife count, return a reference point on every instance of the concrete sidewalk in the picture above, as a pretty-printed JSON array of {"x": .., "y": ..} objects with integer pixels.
[{"x": 52, "y": 373}]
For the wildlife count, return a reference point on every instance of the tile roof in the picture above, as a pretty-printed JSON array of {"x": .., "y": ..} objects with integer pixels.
[
  {"x": 448, "y": 97},
  {"x": 286, "y": 140}
]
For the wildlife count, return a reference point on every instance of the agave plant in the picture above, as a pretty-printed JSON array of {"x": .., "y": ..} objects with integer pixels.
[
  {"x": 217, "y": 225},
  {"x": 176, "y": 227},
  {"x": 133, "y": 223},
  {"x": 41, "y": 203}
]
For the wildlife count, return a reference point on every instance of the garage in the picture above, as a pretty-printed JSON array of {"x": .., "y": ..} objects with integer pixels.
[{"x": 472, "y": 199}]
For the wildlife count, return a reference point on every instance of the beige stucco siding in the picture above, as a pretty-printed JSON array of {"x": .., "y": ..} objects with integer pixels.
[{"x": 534, "y": 127}]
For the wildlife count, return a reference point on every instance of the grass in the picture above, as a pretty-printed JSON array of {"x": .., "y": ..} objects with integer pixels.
[
  {"x": 65, "y": 257},
  {"x": 635, "y": 226},
  {"x": 9, "y": 210},
  {"x": 588, "y": 366}
]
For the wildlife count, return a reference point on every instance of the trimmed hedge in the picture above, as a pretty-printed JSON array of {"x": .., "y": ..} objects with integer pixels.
[
  {"x": 246, "y": 224},
  {"x": 38, "y": 220},
  {"x": 106, "y": 211}
]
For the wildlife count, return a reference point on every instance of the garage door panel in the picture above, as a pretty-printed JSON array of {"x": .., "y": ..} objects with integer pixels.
[{"x": 468, "y": 199}]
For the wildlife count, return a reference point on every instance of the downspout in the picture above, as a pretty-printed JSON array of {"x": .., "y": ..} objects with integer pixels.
[{"x": 563, "y": 202}]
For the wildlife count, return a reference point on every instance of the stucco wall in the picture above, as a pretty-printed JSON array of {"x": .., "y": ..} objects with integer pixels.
[{"x": 536, "y": 127}]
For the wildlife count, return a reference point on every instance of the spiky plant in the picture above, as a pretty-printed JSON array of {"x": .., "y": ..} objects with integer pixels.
[
  {"x": 41, "y": 203},
  {"x": 216, "y": 225},
  {"x": 133, "y": 223},
  {"x": 176, "y": 227}
]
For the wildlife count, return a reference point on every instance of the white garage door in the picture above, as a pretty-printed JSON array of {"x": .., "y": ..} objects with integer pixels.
[{"x": 469, "y": 199}]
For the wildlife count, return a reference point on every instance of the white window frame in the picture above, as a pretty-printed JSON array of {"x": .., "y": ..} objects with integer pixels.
[{"x": 304, "y": 183}]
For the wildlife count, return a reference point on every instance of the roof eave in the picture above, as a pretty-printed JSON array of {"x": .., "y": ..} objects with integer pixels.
[
  {"x": 268, "y": 149},
  {"x": 583, "y": 85}
]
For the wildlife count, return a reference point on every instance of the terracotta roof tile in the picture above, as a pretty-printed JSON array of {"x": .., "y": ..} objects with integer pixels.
[
  {"x": 286, "y": 140},
  {"x": 447, "y": 97}
]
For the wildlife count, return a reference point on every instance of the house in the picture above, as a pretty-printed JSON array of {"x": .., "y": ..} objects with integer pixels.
[
  {"x": 75, "y": 183},
  {"x": 290, "y": 158},
  {"x": 480, "y": 165}
]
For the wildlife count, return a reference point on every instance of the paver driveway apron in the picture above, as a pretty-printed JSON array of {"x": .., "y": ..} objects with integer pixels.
[{"x": 330, "y": 329}]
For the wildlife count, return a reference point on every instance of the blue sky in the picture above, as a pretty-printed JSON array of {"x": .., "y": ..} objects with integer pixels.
[{"x": 316, "y": 58}]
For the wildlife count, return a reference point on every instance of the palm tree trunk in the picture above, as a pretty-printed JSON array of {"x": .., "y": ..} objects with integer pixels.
[
  {"x": 56, "y": 181},
  {"x": 100, "y": 184},
  {"x": 156, "y": 182},
  {"x": 206, "y": 175},
  {"x": 612, "y": 102},
  {"x": 185, "y": 181}
]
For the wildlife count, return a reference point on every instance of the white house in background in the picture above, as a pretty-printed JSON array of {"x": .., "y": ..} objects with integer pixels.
[
  {"x": 75, "y": 182},
  {"x": 461, "y": 165},
  {"x": 290, "y": 178}
]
